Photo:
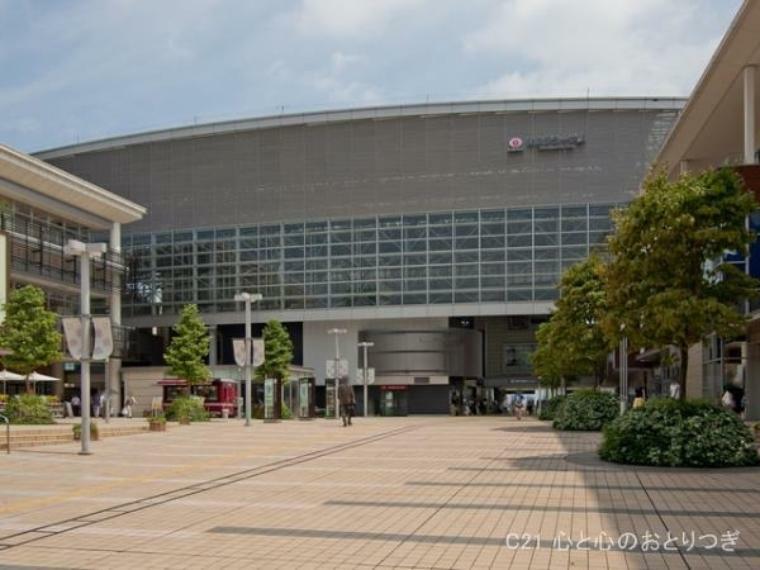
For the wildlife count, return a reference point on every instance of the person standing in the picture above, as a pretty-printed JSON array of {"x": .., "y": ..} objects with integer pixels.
[
  {"x": 128, "y": 405},
  {"x": 96, "y": 400},
  {"x": 76, "y": 404},
  {"x": 347, "y": 401},
  {"x": 518, "y": 405}
]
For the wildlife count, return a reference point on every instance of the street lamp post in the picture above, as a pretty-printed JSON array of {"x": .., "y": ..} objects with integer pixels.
[
  {"x": 85, "y": 252},
  {"x": 365, "y": 376},
  {"x": 337, "y": 332},
  {"x": 248, "y": 298}
]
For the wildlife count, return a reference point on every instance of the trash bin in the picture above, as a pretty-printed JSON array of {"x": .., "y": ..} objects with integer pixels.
[{"x": 225, "y": 413}]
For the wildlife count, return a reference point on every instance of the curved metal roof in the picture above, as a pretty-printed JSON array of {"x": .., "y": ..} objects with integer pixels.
[{"x": 372, "y": 113}]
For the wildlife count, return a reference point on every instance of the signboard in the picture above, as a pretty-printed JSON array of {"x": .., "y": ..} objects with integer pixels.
[
  {"x": 303, "y": 398},
  {"x": 269, "y": 385},
  {"x": 330, "y": 398},
  {"x": 545, "y": 143},
  {"x": 238, "y": 349},
  {"x": 258, "y": 352},
  {"x": 72, "y": 331},
  {"x": 103, "y": 344},
  {"x": 370, "y": 376},
  {"x": 342, "y": 371}
]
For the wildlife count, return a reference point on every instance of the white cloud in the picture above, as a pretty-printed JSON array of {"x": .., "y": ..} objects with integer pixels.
[
  {"x": 610, "y": 47},
  {"x": 350, "y": 18}
]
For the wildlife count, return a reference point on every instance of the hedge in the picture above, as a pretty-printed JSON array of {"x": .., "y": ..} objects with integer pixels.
[
  {"x": 667, "y": 432},
  {"x": 586, "y": 410}
]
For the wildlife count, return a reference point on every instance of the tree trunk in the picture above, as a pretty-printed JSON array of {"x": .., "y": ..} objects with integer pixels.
[
  {"x": 683, "y": 368},
  {"x": 29, "y": 389}
]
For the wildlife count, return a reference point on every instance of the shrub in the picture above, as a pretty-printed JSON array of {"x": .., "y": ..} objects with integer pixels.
[
  {"x": 550, "y": 408},
  {"x": 94, "y": 433},
  {"x": 28, "y": 409},
  {"x": 188, "y": 408},
  {"x": 672, "y": 433},
  {"x": 586, "y": 410}
]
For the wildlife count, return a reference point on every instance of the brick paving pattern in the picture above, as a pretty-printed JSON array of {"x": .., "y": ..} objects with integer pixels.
[{"x": 419, "y": 492}]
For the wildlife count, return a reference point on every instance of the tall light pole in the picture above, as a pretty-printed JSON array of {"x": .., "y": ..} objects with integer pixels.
[
  {"x": 365, "y": 345},
  {"x": 337, "y": 332},
  {"x": 248, "y": 298},
  {"x": 85, "y": 252}
]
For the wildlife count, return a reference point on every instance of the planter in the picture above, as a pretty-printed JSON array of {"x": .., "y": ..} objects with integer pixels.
[
  {"x": 157, "y": 425},
  {"x": 184, "y": 421}
]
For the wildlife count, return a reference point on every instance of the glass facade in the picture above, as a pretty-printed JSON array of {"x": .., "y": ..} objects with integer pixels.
[
  {"x": 472, "y": 256},
  {"x": 37, "y": 241}
]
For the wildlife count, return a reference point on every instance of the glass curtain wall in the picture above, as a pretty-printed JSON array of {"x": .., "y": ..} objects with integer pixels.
[{"x": 477, "y": 256}]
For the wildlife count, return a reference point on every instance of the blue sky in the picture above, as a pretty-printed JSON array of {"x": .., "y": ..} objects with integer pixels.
[{"x": 76, "y": 70}]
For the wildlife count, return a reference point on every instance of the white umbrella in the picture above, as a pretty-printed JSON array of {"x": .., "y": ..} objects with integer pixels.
[
  {"x": 6, "y": 375},
  {"x": 37, "y": 377}
]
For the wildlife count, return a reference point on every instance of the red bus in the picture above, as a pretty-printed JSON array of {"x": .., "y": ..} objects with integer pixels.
[{"x": 219, "y": 394}]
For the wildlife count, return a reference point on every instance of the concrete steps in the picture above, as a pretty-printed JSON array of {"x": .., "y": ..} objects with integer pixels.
[{"x": 31, "y": 436}]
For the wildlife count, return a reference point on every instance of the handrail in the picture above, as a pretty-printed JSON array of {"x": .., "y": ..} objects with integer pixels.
[{"x": 7, "y": 432}]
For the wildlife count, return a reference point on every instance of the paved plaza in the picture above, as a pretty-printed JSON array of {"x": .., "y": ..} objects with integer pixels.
[{"x": 417, "y": 492}]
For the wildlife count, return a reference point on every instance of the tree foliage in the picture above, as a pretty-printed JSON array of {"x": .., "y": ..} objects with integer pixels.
[
  {"x": 188, "y": 347},
  {"x": 278, "y": 352},
  {"x": 665, "y": 283},
  {"x": 572, "y": 343},
  {"x": 29, "y": 332}
]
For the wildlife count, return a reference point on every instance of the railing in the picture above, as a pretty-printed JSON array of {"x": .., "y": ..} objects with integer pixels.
[{"x": 31, "y": 255}]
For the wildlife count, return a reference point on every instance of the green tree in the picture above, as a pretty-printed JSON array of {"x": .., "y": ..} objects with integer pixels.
[
  {"x": 29, "y": 332},
  {"x": 665, "y": 284},
  {"x": 572, "y": 343},
  {"x": 188, "y": 347},
  {"x": 278, "y": 352}
]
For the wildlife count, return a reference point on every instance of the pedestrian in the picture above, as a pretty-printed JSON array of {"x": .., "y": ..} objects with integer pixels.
[
  {"x": 96, "y": 400},
  {"x": 518, "y": 405},
  {"x": 639, "y": 400},
  {"x": 347, "y": 401},
  {"x": 76, "y": 405},
  {"x": 129, "y": 403}
]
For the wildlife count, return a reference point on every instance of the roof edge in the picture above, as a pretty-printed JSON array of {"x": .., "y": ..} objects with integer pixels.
[
  {"x": 118, "y": 208},
  {"x": 359, "y": 113}
]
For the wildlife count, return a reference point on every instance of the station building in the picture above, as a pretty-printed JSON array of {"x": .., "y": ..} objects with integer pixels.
[
  {"x": 41, "y": 208},
  {"x": 719, "y": 126},
  {"x": 437, "y": 231}
]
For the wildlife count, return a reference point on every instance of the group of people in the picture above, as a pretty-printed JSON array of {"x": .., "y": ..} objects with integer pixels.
[
  {"x": 517, "y": 404},
  {"x": 98, "y": 405}
]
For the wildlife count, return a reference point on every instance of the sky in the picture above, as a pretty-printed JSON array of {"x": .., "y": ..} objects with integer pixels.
[{"x": 78, "y": 70}]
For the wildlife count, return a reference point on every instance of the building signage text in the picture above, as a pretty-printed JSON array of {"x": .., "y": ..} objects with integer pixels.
[{"x": 549, "y": 142}]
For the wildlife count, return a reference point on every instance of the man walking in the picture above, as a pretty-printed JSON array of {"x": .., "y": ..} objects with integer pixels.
[{"x": 347, "y": 401}]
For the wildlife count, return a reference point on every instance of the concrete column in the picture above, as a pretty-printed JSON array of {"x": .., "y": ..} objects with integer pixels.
[
  {"x": 752, "y": 381},
  {"x": 749, "y": 114},
  {"x": 212, "y": 353},
  {"x": 113, "y": 374}
]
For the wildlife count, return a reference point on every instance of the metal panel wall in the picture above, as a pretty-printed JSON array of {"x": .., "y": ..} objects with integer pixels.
[{"x": 365, "y": 167}]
